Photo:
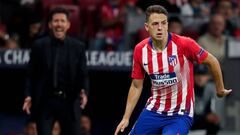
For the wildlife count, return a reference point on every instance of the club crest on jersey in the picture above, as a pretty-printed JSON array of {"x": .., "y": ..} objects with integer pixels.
[{"x": 172, "y": 60}]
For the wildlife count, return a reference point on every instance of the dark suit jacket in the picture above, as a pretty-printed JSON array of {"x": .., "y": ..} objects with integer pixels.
[{"x": 40, "y": 71}]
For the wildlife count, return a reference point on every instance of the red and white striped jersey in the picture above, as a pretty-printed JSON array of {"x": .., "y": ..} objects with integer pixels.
[{"x": 171, "y": 73}]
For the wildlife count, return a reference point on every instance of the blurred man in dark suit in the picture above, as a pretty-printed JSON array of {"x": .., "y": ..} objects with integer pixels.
[{"x": 58, "y": 78}]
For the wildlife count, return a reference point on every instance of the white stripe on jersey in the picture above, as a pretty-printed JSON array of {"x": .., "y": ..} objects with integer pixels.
[
  {"x": 163, "y": 91},
  {"x": 145, "y": 65},
  {"x": 191, "y": 108},
  {"x": 155, "y": 62},
  {"x": 155, "y": 71},
  {"x": 184, "y": 85},
  {"x": 174, "y": 88},
  {"x": 145, "y": 58}
]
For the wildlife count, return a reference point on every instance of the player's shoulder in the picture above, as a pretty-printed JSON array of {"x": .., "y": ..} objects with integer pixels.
[{"x": 141, "y": 44}]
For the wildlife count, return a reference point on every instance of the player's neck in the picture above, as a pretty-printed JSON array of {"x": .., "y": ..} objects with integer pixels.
[{"x": 159, "y": 45}]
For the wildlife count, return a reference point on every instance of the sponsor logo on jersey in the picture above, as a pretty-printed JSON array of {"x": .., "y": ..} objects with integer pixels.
[{"x": 164, "y": 80}]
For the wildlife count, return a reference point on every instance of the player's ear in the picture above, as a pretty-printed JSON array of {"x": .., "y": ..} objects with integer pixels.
[{"x": 146, "y": 26}]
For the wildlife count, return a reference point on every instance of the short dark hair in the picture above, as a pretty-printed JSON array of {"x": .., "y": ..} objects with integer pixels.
[
  {"x": 155, "y": 9},
  {"x": 56, "y": 10}
]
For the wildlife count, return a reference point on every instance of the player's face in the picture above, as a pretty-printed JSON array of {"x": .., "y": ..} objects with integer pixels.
[
  {"x": 157, "y": 26},
  {"x": 59, "y": 25}
]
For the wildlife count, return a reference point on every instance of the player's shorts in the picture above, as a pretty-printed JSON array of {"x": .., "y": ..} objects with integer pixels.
[{"x": 152, "y": 123}]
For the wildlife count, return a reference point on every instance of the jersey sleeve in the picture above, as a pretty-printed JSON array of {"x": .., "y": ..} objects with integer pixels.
[
  {"x": 137, "y": 69},
  {"x": 194, "y": 52}
]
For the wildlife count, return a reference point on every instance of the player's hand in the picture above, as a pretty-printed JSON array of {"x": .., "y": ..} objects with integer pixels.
[
  {"x": 223, "y": 93},
  {"x": 84, "y": 99},
  {"x": 27, "y": 104},
  {"x": 122, "y": 125}
]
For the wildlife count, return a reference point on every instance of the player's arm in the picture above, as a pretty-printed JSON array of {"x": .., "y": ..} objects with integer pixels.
[
  {"x": 133, "y": 97},
  {"x": 215, "y": 68}
]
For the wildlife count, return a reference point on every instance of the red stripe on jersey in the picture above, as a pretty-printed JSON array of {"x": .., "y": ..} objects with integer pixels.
[
  {"x": 169, "y": 89},
  {"x": 179, "y": 94},
  {"x": 158, "y": 98},
  {"x": 150, "y": 68},
  {"x": 149, "y": 59},
  {"x": 189, "y": 89},
  {"x": 192, "y": 91}
]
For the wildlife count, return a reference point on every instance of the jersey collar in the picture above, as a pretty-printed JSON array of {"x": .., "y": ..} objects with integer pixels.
[{"x": 151, "y": 42}]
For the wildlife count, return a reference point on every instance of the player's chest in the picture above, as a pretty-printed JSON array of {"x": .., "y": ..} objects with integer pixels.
[
  {"x": 164, "y": 69},
  {"x": 165, "y": 62}
]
